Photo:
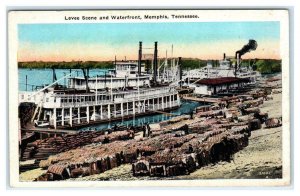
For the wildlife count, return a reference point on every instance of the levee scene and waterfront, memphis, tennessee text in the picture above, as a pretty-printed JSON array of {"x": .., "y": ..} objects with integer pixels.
[{"x": 130, "y": 17}]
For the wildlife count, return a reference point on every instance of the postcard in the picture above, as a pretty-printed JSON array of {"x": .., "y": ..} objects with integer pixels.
[{"x": 149, "y": 98}]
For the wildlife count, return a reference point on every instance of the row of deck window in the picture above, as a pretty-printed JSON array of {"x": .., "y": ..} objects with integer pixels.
[{"x": 89, "y": 98}]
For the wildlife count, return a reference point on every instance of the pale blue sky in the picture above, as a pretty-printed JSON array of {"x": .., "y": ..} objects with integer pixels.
[{"x": 129, "y": 34}]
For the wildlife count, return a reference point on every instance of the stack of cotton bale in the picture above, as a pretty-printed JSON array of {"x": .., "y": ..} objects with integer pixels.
[
  {"x": 199, "y": 127},
  {"x": 42, "y": 149},
  {"x": 178, "y": 119},
  {"x": 164, "y": 155},
  {"x": 91, "y": 159},
  {"x": 210, "y": 113},
  {"x": 254, "y": 103},
  {"x": 117, "y": 135},
  {"x": 141, "y": 168},
  {"x": 170, "y": 163},
  {"x": 273, "y": 122}
]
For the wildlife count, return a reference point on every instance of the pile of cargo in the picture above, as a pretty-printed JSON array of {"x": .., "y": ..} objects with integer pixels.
[
  {"x": 176, "y": 153},
  {"x": 273, "y": 122},
  {"x": 94, "y": 158},
  {"x": 177, "y": 146},
  {"x": 203, "y": 149},
  {"x": 42, "y": 149},
  {"x": 174, "y": 120},
  {"x": 114, "y": 136}
]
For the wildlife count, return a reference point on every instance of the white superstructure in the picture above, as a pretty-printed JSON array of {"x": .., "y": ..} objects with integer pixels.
[
  {"x": 124, "y": 92},
  {"x": 224, "y": 69}
]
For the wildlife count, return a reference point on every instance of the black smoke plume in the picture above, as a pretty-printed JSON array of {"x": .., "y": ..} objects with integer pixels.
[{"x": 252, "y": 45}]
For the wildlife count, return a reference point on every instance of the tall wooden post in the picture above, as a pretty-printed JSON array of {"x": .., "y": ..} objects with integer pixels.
[
  {"x": 108, "y": 111},
  {"x": 71, "y": 117},
  {"x": 133, "y": 107},
  {"x": 78, "y": 115},
  {"x": 122, "y": 114},
  {"x": 127, "y": 108},
  {"x": 153, "y": 105},
  {"x": 62, "y": 116},
  {"x": 88, "y": 114},
  {"x": 54, "y": 118},
  {"x": 101, "y": 112}
]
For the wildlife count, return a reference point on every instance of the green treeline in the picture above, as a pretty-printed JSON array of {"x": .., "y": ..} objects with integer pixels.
[
  {"x": 67, "y": 65},
  {"x": 264, "y": 66},
  {"x": 193, "y": 63}
]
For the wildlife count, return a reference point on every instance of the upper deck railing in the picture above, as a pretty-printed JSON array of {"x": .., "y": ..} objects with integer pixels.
[{"x": 75, "y": 100}]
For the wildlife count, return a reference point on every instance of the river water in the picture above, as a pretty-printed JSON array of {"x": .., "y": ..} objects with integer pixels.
[
  {"x": 185, "y": 108},
  {"x": 39, "y": 77}
]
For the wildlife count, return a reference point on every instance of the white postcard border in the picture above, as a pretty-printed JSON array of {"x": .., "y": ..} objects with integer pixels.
[{"x": 22, "y": 17}]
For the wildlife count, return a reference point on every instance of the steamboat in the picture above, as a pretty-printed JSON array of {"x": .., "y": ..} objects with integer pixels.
[
  {"x": 127, "y": 91},
  {"x": 229, "y": 66}
]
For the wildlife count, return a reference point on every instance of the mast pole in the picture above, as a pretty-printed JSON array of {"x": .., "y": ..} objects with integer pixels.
[
  {"x": 111, "y": 93},
  {"x": 138, "y": 85},
  {"x": 26, "y": 82},
  {"x": 96, "y": 89}
]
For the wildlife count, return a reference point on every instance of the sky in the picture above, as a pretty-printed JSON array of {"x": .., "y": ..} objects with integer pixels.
[{"x": 104, "y": 41}]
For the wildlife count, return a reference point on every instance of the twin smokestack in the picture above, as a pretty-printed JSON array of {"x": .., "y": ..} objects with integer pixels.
[
  {"x": 154, "y": 60},
  {"x": 155, "y": 64}
]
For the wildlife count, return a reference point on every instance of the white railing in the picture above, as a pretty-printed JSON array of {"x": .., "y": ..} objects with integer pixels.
[
  {"x": 89, "y": 99},
  {"x": 104, "y": 102},
  {"x": 30, "y": 97},
  {"x": 114, "y": 82}
]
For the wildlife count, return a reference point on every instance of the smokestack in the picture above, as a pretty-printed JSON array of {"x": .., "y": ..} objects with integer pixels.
[
  {"x": 236, "y": 63},
  {"x": 140, "y": 59},
  {"x": 86, "y": 75},
  {"x": 180, "y": 69},
  {"x": 54, "y": 78},
  {"x": 252, "y": 45},
  {"x": 224, "y": 56},
  {"x": 155, "y": 62},
  {"x": 238, "y": 60}
]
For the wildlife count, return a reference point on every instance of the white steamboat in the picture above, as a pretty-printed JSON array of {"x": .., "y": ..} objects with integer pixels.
[
  {"x": 126, "y": 92},
  {"x": 224, "y": 69}
]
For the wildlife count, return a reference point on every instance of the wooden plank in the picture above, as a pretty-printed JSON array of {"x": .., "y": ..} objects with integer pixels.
[
  {"x": 53, "y": 131},
  {"x": 207, "y": 100},
  {"x": 162, "y": 112}
]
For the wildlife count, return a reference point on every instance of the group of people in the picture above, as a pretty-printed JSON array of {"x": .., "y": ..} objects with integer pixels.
[{"x": 146, "y": 130}]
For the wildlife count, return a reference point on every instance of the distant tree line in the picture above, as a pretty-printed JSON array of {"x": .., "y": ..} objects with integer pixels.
[
  {"x": 267, "y": 66},
  {"x": 264, "y": 66},
  {"x": 67, "y": 65},
  {"x": 188, "y": 63}
]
